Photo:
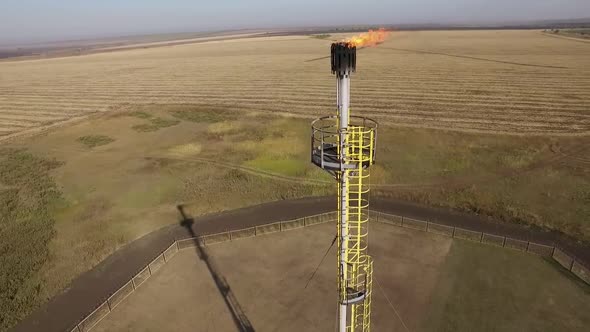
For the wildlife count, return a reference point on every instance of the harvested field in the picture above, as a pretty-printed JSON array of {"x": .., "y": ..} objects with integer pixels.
[{"x": 514, "y": 82}]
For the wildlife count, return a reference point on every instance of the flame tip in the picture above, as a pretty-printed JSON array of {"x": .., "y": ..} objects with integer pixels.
[{"x": 370, "y": 38}]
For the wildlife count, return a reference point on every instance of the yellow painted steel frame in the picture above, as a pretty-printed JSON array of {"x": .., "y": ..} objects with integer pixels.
[{"x": 358, "y": 274}]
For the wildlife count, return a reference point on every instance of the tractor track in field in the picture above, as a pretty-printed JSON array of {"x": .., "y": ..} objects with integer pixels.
[
  {"x": 577, "y": 153},
  {"x": 30, "y": 131},
  {"x": 575, "y": 157},
  {"x": 246, "y": 169},
  {"x": 281, "y": 177},
  {"x": 556, "y": 157},
  {"x": 472, "y": 58},
  {"x": 480, "y": 115}
]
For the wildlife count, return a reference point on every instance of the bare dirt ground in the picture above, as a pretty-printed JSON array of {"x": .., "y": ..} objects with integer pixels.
[{"x": 268, "y": 274}]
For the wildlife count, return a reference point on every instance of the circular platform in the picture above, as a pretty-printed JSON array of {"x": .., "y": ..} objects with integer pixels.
[{"x": 359, "y": 143}]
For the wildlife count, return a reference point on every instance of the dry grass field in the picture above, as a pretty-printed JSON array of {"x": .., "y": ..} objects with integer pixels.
[
  {"x": 490, "y": 122},
  {"x": 514, "y": 82},
  {"x": 72, "y": 196}
]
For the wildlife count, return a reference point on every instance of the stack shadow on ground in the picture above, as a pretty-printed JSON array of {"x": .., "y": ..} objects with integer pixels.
[
  {"x": 233, "y": 305},
  {"x": 268, "y": 275}
]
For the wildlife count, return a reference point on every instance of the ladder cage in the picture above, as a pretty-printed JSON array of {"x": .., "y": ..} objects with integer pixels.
[
  {"x": 359, "y": 144},
  {"x": 347, "y": 153}
]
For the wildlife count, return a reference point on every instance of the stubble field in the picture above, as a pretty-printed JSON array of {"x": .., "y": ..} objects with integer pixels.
[{"x": 515, "y": 82}]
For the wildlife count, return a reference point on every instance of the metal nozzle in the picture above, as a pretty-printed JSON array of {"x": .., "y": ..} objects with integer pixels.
[{"x": 343, "y": 58}]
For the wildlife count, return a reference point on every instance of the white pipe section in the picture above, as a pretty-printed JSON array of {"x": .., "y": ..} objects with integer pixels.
[{"x": 343, "y": 96}]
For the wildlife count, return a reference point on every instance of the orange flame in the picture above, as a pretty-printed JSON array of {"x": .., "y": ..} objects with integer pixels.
[{"x": 371, "y": 38}]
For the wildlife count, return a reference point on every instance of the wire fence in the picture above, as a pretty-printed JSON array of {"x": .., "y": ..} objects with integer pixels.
[
  {"x": 578, "y": 267},
  {"x": 106, "y": 306},
  {"x": 561, "y": 256}
]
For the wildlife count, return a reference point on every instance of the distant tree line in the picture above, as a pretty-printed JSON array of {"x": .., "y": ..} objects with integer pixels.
[{"x": 582, "y": 32}]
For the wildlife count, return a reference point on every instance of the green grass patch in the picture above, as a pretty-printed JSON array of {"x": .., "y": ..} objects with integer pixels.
[
  {"x": 276, "y": 146},
  {"x": 583, "y": 33},
  {"x": 92, "y": 141},
  {"x": 509, "y": 178},
  {"x": 28, "y": 196},
  {"x": 235, "y": 189},
  {"x": 158, "y": 189},
  {"x": 155, "y": 124},
  {"x": 288, "y": 165},
  {"x": 412, "y": 155},
  {"x": 551, "y": 199},
  {"x": 486, "y": 288},
  {"x": 204, "y": 116}
]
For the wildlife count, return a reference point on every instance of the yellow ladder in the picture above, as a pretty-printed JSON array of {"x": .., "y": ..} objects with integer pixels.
[{"x": 356, "y": 281}]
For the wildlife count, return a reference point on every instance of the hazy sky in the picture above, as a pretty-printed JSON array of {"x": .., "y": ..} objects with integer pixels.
[{"x": 41, "y": 20}]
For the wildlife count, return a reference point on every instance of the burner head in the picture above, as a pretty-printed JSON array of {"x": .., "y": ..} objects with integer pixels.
[{"x": 343, "y": 58}]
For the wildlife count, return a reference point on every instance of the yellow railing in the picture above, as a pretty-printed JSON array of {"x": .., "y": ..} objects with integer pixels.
[{"x": 359, "y": 141}]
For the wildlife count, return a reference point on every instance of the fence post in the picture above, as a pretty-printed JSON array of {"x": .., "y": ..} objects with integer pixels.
[
  {"x": 504, "y": 242},
  {"x": 481, "y": 238},
  {"x": 229, "y": 235},
  {"x": 572, "y": 264},
  {"x": 427, "y": 223},
  {"x": 402, "y": 225},
  {"x": 528, "y": 243},
  {"x": 453, "y": 236}
]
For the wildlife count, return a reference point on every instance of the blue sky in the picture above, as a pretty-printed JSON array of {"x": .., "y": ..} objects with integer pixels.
[{"x": 43, "y": 20}]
